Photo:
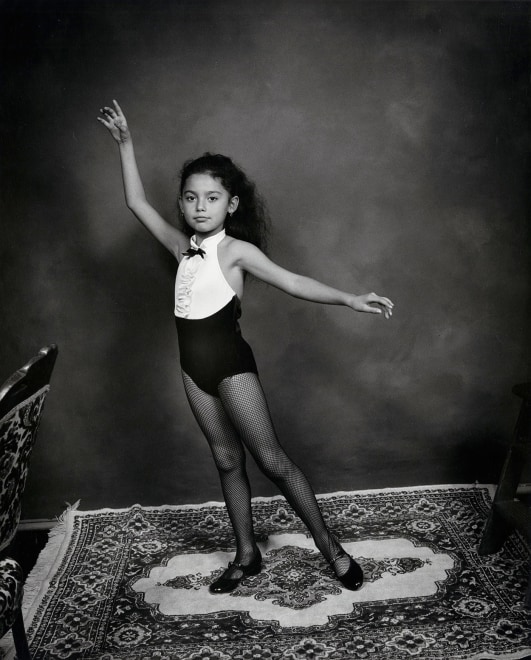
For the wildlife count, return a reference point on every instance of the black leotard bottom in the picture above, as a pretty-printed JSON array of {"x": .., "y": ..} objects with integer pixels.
[{"x": 213, "y": 348}]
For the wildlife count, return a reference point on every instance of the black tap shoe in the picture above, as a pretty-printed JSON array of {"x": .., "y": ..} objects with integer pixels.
[
  {"x": 225, "y": 584},
  {"x": 353, "y": 578}
]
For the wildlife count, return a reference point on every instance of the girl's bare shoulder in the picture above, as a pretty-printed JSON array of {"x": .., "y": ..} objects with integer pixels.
[{"x": 236, "y": 248}]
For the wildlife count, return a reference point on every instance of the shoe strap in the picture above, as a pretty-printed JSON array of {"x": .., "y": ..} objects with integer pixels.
[
  {"x": 340, "y": 553},
  {"x": 242, "y": 567},
  {"x": 239, "y": 565}
]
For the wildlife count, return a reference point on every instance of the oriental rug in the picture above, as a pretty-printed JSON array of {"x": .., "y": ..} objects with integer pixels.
[{"x": 133, "y": 584}]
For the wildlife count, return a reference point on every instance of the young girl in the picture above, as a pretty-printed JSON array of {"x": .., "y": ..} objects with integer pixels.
[{"x": 224, "y": 229}]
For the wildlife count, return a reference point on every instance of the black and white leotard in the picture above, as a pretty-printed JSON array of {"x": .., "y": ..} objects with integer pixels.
[{"x": 206, "y": 313}]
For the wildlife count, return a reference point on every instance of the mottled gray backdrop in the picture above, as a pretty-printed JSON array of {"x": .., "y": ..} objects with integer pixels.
[{"x": 390, "y": 141}]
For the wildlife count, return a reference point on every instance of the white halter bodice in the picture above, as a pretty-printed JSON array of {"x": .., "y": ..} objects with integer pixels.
[{"x": 200, "y": 287}]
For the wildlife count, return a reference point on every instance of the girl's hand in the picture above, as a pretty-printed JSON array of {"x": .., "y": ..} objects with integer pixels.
[
  {"x": 372, "y": 304},
  {"x": 115, "y": 122}
]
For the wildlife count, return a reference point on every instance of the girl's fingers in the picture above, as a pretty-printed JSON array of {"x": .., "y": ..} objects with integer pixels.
[
  {"x": 111, "y": 115},
  {"x": 384, "y": 301},
  {"x": 379, "y": 305},
  {"x": 388, "y": 309},
  {"x": 383, "y": 308}
]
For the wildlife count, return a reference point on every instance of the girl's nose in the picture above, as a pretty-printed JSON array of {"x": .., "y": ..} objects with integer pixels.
[{"x": 200, "y": 204}]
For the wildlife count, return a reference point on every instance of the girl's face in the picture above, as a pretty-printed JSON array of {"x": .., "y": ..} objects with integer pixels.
[{"x": 205, "y": 204}]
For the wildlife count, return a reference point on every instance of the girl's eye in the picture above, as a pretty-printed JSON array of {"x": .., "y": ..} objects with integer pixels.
[
  {"x": 189, "y": 198},
  {"x": 213, "y": 199}
]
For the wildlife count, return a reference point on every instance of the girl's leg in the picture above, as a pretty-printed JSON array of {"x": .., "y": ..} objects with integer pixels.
[
  {"x": 229, "y": 457},
  {"x": 244, "y": 400}
]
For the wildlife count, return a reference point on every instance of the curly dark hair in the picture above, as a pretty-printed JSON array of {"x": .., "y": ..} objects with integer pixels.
[{"x": 250, "y": 221}]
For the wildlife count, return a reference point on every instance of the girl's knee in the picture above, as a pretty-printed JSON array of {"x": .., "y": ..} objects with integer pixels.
[
  {"x": 276, "y": 468},
  {"x": 229, "y": 461}
]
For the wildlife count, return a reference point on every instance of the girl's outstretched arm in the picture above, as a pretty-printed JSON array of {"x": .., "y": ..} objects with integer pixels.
[
  {"x": 115, "y": 122},
  {"x": 252, "y": 260}
]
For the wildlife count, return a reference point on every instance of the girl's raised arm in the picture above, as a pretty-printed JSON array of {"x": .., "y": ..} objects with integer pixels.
[
  {"x": 252, "y": 260},
  {"x": 115, "y": 122}
]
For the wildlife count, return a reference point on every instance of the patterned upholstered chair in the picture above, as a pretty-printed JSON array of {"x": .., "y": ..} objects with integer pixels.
[{"x": 21, "y": 402}]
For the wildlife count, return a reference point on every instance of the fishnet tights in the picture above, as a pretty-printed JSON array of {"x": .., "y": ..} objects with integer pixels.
[{"x": 240, "y": 416}]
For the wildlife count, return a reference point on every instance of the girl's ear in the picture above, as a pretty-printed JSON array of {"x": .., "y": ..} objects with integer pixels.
[
  {"x": 233, "y": 204},
  {"x": 180, "y": 203}
]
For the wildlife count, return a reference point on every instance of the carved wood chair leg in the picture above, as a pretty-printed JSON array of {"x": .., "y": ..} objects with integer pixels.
[
  {"x": 495, "y": 533},
  {"x": 20, "y": 639}
]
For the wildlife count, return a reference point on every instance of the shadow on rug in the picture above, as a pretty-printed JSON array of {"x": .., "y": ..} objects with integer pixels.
[{"x": 133, "y": 584}]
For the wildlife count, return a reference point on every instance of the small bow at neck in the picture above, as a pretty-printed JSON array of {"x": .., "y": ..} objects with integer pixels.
[{"x": 192, "y": 252}]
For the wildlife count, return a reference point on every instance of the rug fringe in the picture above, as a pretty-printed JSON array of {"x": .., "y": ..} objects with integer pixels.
[
  {"x": 36, "y": 583},
  {"x": 61, "y": 521},
  {"x": 491, "y": 488},
  {"x": 46, "y": 560}
]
